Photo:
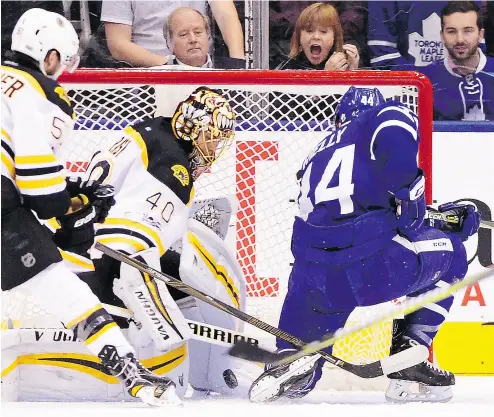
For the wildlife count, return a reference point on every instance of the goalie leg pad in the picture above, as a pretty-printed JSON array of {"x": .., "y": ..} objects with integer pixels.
[
  {"x": 151, "y": 303},
  {"x": 212, "y": 369},
  {"x": 207, "y": 264}
]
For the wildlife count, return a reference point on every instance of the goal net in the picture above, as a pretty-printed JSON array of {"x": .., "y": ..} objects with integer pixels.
[{"x": 281, "y": 116}]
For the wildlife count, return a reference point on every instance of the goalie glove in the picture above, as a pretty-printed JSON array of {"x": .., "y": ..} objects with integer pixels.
[
  {"x": 411, "y": 205},
  {"x": 461, "y": 219}
]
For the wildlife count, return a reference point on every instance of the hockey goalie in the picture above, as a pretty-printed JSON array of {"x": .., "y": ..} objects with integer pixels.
[{"x": 152, "y": 166}]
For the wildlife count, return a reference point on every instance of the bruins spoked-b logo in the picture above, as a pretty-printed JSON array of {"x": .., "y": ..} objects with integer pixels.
[
  {"x": 181, "y": 174},
  {"x": 28, "y": 260}
]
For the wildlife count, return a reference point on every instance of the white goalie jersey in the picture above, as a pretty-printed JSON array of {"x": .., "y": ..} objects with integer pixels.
[{"x": 153, "y": 185}]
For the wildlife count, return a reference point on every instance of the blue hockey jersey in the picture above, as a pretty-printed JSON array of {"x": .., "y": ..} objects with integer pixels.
[
  {"x": 458, "y": 97},
  {"x": 347, "y": 183},
  {"x": 403, "y": 33}
]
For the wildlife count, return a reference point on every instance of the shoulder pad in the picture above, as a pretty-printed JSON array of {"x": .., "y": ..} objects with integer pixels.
[
  {"x": 168, "y": 161},
  {"x": 53, "y": 91}
]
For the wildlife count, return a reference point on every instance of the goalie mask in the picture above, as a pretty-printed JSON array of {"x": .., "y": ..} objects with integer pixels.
[{"x": 206, "y": 119}]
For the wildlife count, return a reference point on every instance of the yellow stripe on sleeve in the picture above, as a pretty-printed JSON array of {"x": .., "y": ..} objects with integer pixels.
[
  {"x": 140, "y": 142},
  {"x": 43, "y": 183},
  {"x": 6, "y": 135},
  {"x": 109, "y": 240},
  {"x": 35, "y": 159},
  {"x": 9, "y": 164},
  {"x": 117, "y": 221},
  {"x": 77, "y": 260}
]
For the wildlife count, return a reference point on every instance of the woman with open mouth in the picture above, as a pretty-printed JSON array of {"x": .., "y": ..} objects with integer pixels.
[{"x": 317, "y": 42}]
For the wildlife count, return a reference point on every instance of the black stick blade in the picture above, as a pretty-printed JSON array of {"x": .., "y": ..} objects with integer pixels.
[{"x": 253, "y": 353}]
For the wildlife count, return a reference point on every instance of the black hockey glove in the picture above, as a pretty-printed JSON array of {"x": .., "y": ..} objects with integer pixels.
[
  {"x": 76, "y": 232},
  {"x": 104, "y": 201},
  {"x": 100, "y": 195},
  {"x": 76, "y": 186},
  {"x": 461, "y": 219}
]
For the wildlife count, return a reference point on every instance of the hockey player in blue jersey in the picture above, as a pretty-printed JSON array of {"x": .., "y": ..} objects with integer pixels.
[{"x": 360, "y": 239}]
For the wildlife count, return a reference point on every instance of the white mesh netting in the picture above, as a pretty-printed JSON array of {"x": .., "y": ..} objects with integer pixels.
[{"x": 278, "y": 122}]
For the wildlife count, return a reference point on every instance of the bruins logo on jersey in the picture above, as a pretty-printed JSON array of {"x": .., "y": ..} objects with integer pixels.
[{"x": 181, "y": 174}]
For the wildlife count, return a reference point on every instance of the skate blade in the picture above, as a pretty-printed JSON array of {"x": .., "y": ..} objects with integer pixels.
[
  {"x": 269, "y": 387},
  {"x": 400, "y": 391},
  {"x": 159, "y": 396}
]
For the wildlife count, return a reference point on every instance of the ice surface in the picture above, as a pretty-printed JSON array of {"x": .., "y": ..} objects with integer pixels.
[{"x": 474, "y": 397}]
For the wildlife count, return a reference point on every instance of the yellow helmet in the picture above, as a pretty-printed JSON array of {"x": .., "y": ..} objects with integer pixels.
[{"x": 206, "y": 119}]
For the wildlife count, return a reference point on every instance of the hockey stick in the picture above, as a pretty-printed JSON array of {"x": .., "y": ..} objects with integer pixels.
[
  {"x": 257, "y": 354},
  {"x": 487, "y": 224},
  {"x": 454, "y": 219},
  {"x": 200, "y": 331},
  {"x": 385, "y": 366}
]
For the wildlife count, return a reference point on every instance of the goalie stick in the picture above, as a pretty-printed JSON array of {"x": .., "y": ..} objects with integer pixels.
[
  {"x": 385, "y": 366},
  {"x": 256, "y": 354}
]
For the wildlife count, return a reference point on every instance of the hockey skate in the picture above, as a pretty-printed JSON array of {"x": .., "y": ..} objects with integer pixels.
[
  {"x": 424, "y": 382},
  {"x": 141, "y": 383},
  {"x": 293, "y": 380}
]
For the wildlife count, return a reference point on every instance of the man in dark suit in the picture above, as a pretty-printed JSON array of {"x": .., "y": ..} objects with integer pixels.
[{"x": 188, "y": 36}]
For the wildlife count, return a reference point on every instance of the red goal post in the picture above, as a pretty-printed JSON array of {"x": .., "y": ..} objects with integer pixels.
[
  {"x": 277, "y": 96},
  {"x": 281, "y": 116},
  {"x": 287, "y": 78}
]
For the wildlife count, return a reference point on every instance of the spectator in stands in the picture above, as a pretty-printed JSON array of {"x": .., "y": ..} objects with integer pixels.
[
  {"x": 317, "y": 42},
  {"x": 188, "y": 35},
  {"x": 404, "y": 34},
  {"x": 488, "y": 13},
  {"x": 134, "y": 29},
  {"x": 284, "y": 14},
  {"x": 463, "y": 87}
]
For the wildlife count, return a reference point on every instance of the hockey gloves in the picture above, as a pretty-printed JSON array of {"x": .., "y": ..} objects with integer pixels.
[
  {"x": 411, "y": 205},
  {"x": 76, "y": 232},
  {"x": 100, "y": 195},
  {"x": 461, "y": 219},
  {"x": 104, "y": 201}
]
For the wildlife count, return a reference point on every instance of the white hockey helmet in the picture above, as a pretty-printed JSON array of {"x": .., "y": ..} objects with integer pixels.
[{"x": 39, "y": 31}]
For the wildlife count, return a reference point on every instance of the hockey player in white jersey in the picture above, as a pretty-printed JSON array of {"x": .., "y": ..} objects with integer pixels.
[
  {"x": 36, "y": 117},
  {"x": 153, "y": 166}
]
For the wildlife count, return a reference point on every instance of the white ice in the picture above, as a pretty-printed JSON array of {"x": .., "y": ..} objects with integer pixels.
[{"x": 473, "y": 397}]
